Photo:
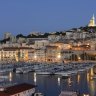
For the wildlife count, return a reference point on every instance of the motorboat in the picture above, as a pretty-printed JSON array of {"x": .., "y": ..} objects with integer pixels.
[
  {"x": 2, "y": 71},
  {"x": 68, "y": 93},
  {"x": 38, "y": 94},
  {"x": 1, "y": 80},
  {"x": 65, "y": 76},
  {"x": 19, "y": 71},
  {"x": 62, "y": 73},
  {"x": 87, "y": 68},
  {"x": 25, "y": 71},
  {"x": 81, "y": 70},
  {"x": 94, "y": 77},
  {"x": 3, "y": 77},
  {"x": 73, "y": 72},
  {"x": 43, "y": 73}
]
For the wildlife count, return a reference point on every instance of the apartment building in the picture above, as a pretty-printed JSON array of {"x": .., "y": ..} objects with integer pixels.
[
  {"x": 15, "y": 53},
  {"x": 41, "y": 44},
  {"x": 40, "y": 55},
  {"x": 53, "y": 54}
]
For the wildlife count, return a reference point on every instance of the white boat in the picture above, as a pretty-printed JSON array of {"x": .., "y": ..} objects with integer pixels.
[
  {"x": 68, "y": 93},
  {"x": 94, "y": 77},
  {"x": 62, "y": 73},
  {"x": 81, "y": 70},
  {"x": 25, "y": 71},
  {"x": 1, "y": 80},
  {"x": 36, "y": 67},
  {"x": 19, "y": 71},
  {"x": 3, "y": 77},
  {"x": 43, "y": 73},
  {"x": 87, "y": 68},
  {"x": 38, "y": 94},
  {"x": 2, "y": 71},
  {"x": 73, "y": 72},
  {"x": 65, "y": 76}
]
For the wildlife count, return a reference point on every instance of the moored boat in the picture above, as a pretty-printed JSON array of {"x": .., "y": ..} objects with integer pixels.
[
  {"x": 62, "y": 73},
  {"x": 94, "y": 77},
  {"x": 65, "y": 76},
  {"x": 81, "y": 70},
  {"x": 43, "y": 73},
  {"x": 73, "y": 72},
  {"x": 19, "y": 71},
  {"x": 38, "y": 94},
  {"x": 68, "y": 93},
  {"x": 3, "y": 77}
]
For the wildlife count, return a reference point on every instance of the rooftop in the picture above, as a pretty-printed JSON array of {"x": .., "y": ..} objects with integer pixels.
[
  {"x": 16, "y": 89},
  {"x": 15, "y": 48}
]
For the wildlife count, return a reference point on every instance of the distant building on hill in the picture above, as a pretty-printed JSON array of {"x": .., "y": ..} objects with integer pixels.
[
  {"x": 7, "y": 35},
  {"x": 54, "y": 38},
  {"x": 92, "y": 22},
  {"x": 35, "y": 33}
]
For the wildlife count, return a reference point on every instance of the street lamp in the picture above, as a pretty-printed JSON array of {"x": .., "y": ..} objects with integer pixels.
[
  {"x": 88, "y": 44},
  {"x": 86, "y": 95},
  {"x": 59, "y": 56},
  {"x": 79, "y": 58},
  {"x": 35, "y": 57}
]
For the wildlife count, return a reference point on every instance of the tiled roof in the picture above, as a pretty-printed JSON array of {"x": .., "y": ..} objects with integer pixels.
[
  {"x": 51, "y": 46},
  {"x": 15, "y": 48},
  {"x": 16, "y": 89}
]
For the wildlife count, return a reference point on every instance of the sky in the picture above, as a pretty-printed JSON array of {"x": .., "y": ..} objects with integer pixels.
[{"x": 25, "y": 16}]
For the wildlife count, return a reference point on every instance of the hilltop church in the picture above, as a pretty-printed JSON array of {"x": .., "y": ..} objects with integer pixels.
[{"x": 92, "y": 22}]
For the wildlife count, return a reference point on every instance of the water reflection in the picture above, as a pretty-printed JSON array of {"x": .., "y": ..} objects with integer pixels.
[
  {"x": 91, "y": 73},
  {"x": 10, "y": 76},
  {"x": 91, "y": 83},
  {"x": 53, "y": 85},
  {"x": 92, "y": 87},
  {"x": 88, "y": 78},
  {"x": 78, "y": 78},
  {"x": 59, "y": 79},
  {"x": 85, "y": 94},
  {"x": 69, "y": 81},
  {"x": 35, "y": 78}
]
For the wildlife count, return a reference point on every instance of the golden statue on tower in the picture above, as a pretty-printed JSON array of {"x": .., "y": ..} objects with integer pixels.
[{"x": 92, "y": 22}]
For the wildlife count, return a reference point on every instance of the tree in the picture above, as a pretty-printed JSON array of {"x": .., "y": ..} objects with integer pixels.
[{"x": 20, "y": 35}]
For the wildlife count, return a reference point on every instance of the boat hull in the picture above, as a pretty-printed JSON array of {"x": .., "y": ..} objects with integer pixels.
[{"x": 43, "y": 73}]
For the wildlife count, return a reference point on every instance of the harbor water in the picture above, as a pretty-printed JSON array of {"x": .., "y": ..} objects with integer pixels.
[{"x": 52, "y": 85}]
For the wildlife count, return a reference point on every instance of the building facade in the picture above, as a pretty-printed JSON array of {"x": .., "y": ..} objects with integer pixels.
[
  {"x": 53, "y": 54},
  {"x": 10, "y": 54}
]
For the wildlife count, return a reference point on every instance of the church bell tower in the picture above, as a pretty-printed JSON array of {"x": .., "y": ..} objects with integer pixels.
[{"x": 92, "y": 22}]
